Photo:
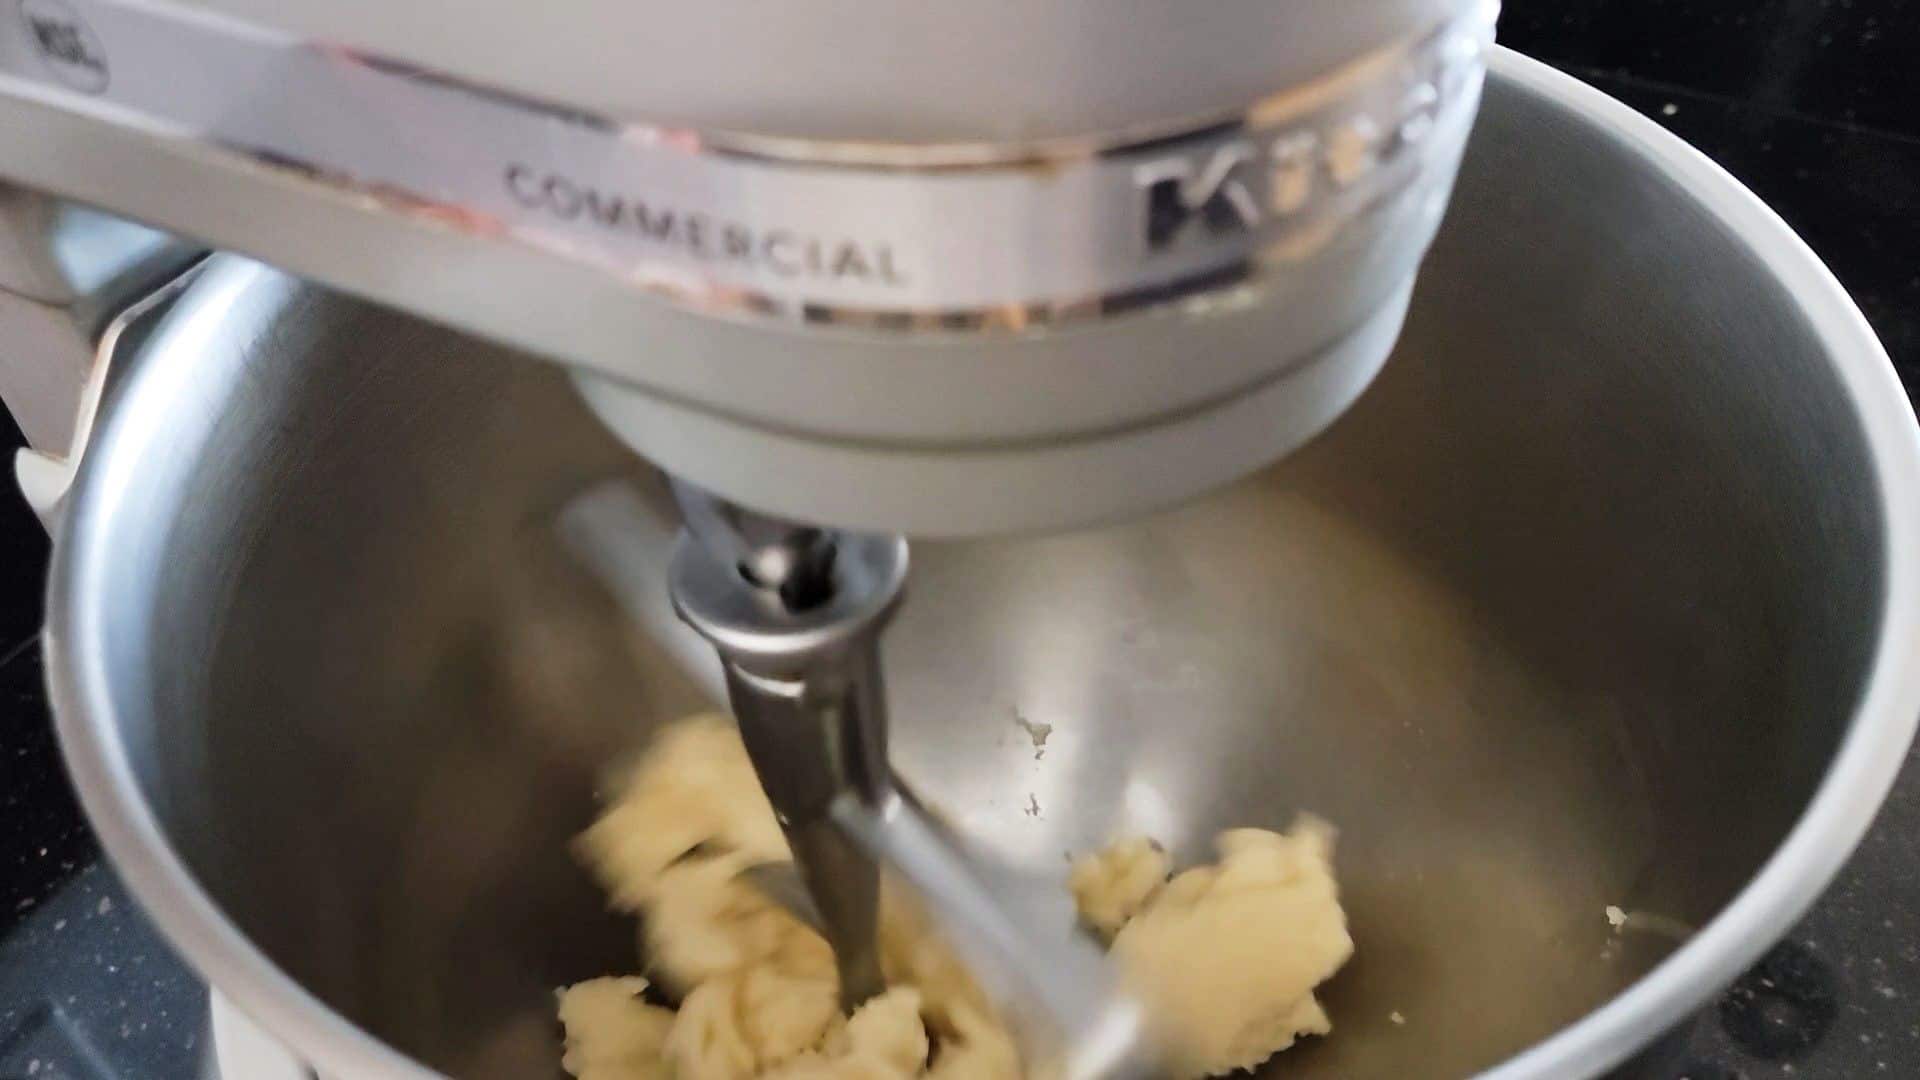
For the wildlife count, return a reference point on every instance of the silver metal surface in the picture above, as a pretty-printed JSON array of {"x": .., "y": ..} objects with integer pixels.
[
  {"x": 792, "y": 560},
  {"x": 1607, "y": 593}
]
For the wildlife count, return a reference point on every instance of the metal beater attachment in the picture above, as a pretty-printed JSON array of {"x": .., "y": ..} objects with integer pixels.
[{"x": 795, "y": 613}]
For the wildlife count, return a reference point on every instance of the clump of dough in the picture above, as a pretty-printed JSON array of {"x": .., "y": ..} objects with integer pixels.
[
  {"x": 883, "y": 1039},
  {"x": 757, "y": 990},
  {"x": 1112, "y": 885},
  {"x": 612, "y": 1034},
  {"x": 692, "y": 795},
  {"x": 1227, "y": 954}
]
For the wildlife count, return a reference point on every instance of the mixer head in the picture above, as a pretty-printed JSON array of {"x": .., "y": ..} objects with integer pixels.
[{"x": 943, "y": 270}]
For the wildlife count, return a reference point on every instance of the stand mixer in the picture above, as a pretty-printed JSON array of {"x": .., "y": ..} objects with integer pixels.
[{"x": 848, "y": 273}]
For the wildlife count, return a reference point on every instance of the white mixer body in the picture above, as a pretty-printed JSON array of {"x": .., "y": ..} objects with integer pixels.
[{"x": 941, "y": 270}]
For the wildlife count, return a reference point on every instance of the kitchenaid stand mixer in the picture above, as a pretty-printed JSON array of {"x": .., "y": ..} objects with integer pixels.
[{"x": 866, "y": 272}]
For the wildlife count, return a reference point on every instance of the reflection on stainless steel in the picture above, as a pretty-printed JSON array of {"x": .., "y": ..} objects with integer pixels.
[{"x": 1606, "y": 594}]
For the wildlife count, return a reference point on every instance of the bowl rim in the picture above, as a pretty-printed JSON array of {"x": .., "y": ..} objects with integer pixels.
[
  {"x": 1844, "y": 804},
  {"x": 1875, "y": 746}
]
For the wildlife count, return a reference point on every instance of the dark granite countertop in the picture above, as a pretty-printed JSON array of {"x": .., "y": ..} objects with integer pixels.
[{"x": 1815, "y": 104}]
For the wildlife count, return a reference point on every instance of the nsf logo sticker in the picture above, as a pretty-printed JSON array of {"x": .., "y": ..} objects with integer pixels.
[{"x": 66, "y": 44}]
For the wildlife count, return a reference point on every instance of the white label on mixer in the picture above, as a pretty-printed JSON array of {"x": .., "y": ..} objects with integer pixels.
[{"x": 894, "y": 234}]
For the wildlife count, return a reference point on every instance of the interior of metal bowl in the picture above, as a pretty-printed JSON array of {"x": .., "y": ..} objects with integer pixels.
[{"x": 1570, "y": 612}]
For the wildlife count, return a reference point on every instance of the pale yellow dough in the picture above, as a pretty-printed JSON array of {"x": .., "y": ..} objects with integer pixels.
[
  {"x": 1227, "y": 954},
  {"x": 1111, "y": 886}
]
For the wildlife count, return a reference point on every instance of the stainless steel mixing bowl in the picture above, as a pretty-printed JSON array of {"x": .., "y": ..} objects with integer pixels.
[{"x": 1606, "y": 594}]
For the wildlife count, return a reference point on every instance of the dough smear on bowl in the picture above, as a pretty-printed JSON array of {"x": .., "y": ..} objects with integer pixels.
[{"x": 1228, "y": 954}]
